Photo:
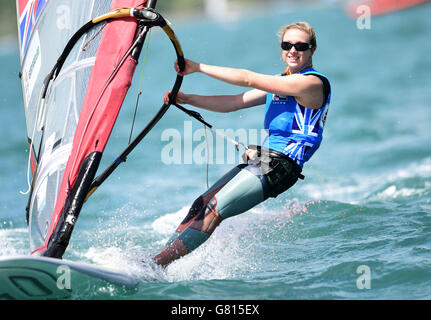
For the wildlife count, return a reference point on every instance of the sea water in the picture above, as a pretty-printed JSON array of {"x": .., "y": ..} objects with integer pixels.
[{"x": 357, "y": 227}]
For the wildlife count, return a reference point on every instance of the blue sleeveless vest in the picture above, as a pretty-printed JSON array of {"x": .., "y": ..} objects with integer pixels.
[{"x": 294, "y": 130}]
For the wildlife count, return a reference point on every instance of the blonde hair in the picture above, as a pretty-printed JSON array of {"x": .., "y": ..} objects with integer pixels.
[{"x": 305, "y": 27}]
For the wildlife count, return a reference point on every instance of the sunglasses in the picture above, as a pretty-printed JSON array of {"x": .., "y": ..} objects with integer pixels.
[{"x": 300, "y": 46}]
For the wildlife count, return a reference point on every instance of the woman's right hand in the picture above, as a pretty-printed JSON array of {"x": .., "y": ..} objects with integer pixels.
[{"x": 251, "y": 154}]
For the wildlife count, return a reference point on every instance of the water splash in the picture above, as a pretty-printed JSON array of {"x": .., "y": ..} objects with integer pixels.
[
  {"x": 14, "y": 242},
  {"x": 236, "y": 246}
]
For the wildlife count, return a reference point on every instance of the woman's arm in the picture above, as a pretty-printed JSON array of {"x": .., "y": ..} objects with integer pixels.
[
  {"x": 223, "y": 103},
  {"x": 308, "y": 90}
]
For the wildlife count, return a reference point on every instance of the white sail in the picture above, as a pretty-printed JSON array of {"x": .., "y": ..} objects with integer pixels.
[
  {"x": 45, "y": 28},
  {"x": 78, "y": 61}
]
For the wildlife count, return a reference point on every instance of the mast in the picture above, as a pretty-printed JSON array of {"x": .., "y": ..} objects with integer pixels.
[{"x": 151, "y": 4}]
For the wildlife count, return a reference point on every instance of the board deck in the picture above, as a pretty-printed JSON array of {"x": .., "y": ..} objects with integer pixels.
[{"x": 31, "y": 277}]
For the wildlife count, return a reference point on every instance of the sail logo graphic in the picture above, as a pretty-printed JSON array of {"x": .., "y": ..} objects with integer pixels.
[
  {"x": 279, "y": 99},
  {"x": 32, "y": 66},
  {"x": 34, "y": 61}
]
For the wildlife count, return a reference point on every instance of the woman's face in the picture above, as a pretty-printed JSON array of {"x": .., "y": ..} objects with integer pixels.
[{"x": 296, "y": 60}]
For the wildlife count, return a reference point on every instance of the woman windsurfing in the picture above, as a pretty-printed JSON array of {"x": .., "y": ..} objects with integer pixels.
[{"x": 296, "y": 101}]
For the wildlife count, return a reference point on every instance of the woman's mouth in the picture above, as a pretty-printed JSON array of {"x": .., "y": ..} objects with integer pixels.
[{"x": 293, "y": 59}]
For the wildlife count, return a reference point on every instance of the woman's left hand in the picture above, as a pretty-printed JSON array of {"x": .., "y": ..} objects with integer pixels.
[{"x": 180, "y": 97}]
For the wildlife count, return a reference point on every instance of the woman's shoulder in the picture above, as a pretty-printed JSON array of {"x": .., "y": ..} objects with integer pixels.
[{"x": 312, "y": 71}]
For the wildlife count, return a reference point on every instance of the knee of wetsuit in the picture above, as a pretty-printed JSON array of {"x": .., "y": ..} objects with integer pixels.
[
  {"x": 193, "y": 238},
  {"x": 172, "y": 239},
  {"x": 208, "y": 218},
  {"x": 195, "y": 209},
  {"x": 199, "y": 224}
]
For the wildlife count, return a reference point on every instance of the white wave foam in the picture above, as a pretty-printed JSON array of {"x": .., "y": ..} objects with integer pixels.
[
  {"x": 167, "y": 224},
  {"x": 392, "y": 192},
  {"x": 357, "y": 187},
  {"x": 415, "y": 169},
  {"x": 223, "y": 256},
  {"x": 14, "y": 242},
  {"x": 131, "y": 261}
]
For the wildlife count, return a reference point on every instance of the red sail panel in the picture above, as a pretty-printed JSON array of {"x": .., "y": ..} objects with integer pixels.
[
  {"x": 102, "y": 103},
  {"x": 378, "y": 7}
]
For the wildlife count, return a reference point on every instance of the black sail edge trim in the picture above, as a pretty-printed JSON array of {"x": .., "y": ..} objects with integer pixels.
[{"x": 59, "y": 239}]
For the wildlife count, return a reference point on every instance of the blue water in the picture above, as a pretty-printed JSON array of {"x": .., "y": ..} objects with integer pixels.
[{"x": 365, "y": 203}]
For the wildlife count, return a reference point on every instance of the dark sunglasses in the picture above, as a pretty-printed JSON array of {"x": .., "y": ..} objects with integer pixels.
[{"x": 300, "y": 46}]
